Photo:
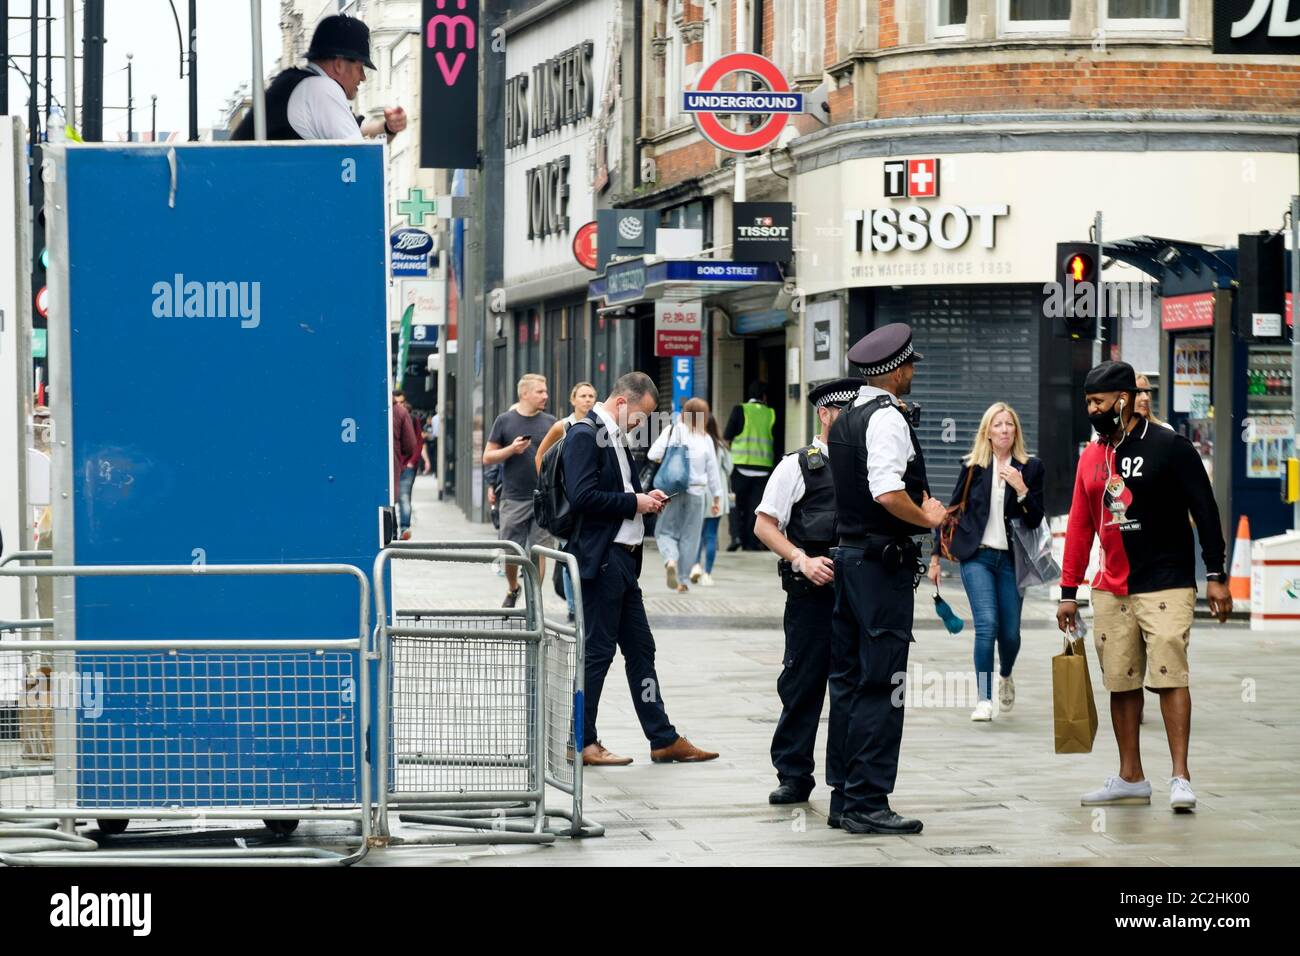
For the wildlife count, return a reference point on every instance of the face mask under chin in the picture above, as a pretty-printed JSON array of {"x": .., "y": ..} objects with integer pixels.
[{"x": 1106, "y": 423}]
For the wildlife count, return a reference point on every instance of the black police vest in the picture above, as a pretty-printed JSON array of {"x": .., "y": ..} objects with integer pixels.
[
  {"x": 277, "y": 107},
  {"x": 812, "y": 518},
  {"x": 859, "y": 513}
]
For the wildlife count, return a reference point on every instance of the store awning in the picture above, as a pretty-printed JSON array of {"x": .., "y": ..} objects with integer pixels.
[{"x": 646, "y": 279}]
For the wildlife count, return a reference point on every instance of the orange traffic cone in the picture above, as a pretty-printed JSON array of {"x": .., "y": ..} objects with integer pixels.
[{"x": 1239, "y": 577}]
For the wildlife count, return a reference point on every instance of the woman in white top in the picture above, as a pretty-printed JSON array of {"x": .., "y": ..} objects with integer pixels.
[
  {"x": 677, "y": 532},
  {"x": 702, "y": 573},
  {"x": 999, "y": 481},
  {"x": 582, "y": 397}
]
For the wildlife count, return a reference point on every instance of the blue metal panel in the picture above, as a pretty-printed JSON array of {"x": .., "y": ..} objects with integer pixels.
[{"x": 192, "y": 440}]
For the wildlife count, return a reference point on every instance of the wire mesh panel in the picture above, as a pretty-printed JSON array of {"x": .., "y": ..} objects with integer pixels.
[
  {"x": 462, "y": 715},
  {"x": 189, "y": 729},
  {"x": 562, "y": 710}
]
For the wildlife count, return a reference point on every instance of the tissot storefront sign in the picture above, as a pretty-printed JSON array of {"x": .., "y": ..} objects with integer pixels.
[
  {"x": 913, "y": 227},
  {"x": 762, "y": 232},
  {"x": 1258, "y": 27}
]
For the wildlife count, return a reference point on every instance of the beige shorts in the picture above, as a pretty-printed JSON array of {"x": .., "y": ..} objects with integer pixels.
[{"x": 1143, "y": 635}]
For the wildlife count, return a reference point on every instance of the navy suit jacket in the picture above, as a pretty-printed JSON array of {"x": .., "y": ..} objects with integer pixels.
[
  {"x": 593, "y": 483},
  {"x": 970, "y": 530}
]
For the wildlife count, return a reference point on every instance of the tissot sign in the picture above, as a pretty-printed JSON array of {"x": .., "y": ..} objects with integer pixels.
[
  {"x": 762, "y": 232},
  {"x": 1260, "y": 27},
  {"x": 914, "y": 227}
]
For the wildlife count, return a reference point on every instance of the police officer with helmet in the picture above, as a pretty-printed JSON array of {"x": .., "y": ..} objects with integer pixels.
[
  {"x": 796, "y": 520},
  {"x": 313, "y": 103},
  {"x": 883, "y": 506}
]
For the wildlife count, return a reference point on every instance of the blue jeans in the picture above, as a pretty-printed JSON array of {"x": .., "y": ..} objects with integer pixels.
[
  {"x": 990, "y": 580},
  {"x": 568, "y": 589},
  {"x": 404, "y": 497},
  {"x": 708, "y": 544}
]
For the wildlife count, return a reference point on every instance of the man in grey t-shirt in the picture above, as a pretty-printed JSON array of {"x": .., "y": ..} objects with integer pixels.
[{"x": 512, "y": 443}]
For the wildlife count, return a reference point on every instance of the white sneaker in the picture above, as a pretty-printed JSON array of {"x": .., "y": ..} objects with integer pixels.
[
  {"x": 1180, "y": 794},
  {"x": 706, "y": 579},
  {"x": 1006, "y": 693},
  {"x": 1117, "y": 791},
  {"x": 696, "y": 573},
  {"x": 983, "y": 711}
]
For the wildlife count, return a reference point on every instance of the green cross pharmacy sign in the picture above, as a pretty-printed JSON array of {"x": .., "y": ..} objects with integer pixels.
[{"x": 415, "y": 207}]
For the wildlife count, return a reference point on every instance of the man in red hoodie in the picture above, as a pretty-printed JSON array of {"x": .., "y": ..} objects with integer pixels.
[{"x": 1135, "y": 488}]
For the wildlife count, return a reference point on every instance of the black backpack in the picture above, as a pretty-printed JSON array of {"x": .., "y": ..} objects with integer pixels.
[{"x": 551, "y": 508}]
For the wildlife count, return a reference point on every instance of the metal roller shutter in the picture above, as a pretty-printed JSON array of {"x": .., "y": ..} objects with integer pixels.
[{"x": 981, "y": 346}]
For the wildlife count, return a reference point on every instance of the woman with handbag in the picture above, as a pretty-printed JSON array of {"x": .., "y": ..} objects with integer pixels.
[
  {"x": 687, "y": 474},
  {"x": 702, "y": 572},
  {"x": 999, "y": 481}
]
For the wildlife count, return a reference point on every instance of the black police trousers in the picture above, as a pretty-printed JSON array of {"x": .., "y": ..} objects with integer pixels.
[
  {"x": 802, "y": 684},
  {"x": 871, "y": 634}
]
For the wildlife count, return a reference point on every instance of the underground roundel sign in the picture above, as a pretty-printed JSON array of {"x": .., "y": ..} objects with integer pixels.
[{"x": 708, "y": 102}]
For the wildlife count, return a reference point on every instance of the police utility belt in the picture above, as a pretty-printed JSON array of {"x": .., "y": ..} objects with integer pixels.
[
  {"x": 796, "y": 585},
  {"x": 893, "y": 553}
]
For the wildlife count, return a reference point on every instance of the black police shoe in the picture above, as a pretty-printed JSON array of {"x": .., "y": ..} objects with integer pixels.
[
  {"x": 878, "y": 821},
  {"x": 789, "y": 793},
  {"x": 833, "y": 820}
]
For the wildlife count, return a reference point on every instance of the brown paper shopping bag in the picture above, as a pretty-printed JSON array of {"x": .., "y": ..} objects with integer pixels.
[{"x": 1073, "y": 707}]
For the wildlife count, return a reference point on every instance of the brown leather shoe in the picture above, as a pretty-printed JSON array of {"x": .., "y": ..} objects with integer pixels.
[
  {"x": 595, "y": 755},
  {"x": 681, "y": 751}
]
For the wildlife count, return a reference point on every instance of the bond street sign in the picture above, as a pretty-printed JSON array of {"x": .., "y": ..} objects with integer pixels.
[{"x": 708, "y": 102}]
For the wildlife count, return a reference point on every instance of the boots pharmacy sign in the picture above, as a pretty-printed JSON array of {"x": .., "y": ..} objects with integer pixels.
[
  {"x": 1257, "y": 27},
  {"x": 708, "y": 102},
  {"x": 449, "y": 85}
]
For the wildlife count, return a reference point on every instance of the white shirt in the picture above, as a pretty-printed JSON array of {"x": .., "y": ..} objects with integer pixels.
[
  {"x": 995, "y": 532},
  {"x": 785, "y": 487},
  {"x": 889, "y": 445},
  {"x": 318, "y": 109},
  {"x": 632, "y": 530},
  {"x": 700, "y": 453}
]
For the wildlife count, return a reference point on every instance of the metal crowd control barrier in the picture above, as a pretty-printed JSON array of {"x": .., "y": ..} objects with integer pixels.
[
  {"x": 273, "y": 730},
  {"x": 479, "y": 708}
]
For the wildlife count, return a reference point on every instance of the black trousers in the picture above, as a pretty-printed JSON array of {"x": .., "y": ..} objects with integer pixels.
[
  {"x": 614, "y": 612},
  {"x": 749, "y": 494},
  {"x": 871, "y": 634},
  {"x": 802, "y": 684}
]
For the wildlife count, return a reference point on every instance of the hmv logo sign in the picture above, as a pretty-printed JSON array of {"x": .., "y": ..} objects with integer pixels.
[
  {"x": 1257, "y": 27},
  {"x": 449, "y": 84}
]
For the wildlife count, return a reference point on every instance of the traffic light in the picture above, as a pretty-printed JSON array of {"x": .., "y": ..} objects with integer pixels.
[
  {"x": 1261, "y": 291},
  {"x": 40, "y": 255},
  {"x": 1074, "y": 302}
]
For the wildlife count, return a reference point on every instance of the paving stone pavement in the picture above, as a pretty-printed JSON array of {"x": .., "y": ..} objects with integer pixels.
[{"x": 992, "y": 793}]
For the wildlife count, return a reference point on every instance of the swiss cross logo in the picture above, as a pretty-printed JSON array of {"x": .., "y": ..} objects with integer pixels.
[
  {"x": 762, "y": 220},
  {"x": 911, "y": 178}
]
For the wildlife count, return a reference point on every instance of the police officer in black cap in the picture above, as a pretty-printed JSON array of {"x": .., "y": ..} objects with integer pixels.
[
  {"x": 883, "y": 505},
  {"x": 313, "y": 103},
  {"x": 796, "y": 520}
]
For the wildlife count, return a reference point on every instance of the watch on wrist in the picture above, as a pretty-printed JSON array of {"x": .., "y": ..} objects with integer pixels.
[{"x": 1217, "y": 577}]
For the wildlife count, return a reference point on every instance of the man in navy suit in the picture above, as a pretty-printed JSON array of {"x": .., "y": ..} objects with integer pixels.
[{"x": 604, "y": 491}]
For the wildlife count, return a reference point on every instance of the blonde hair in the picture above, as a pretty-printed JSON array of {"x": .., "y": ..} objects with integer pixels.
[
  {"x": 981, "y": 453},
  {"x": 1152, "y": 417},
  {"x": 530, "y": 379},
  {"x": 573, "y": 392},
  {"x": 695, "y": 413}
]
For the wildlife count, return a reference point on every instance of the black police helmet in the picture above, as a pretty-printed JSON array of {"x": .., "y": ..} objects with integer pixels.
[{"x": 341, "y": 35}]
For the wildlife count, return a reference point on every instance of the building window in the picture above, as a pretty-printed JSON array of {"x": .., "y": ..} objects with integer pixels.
[
  {"x": 674, "y": 65},
  {"x": 1034, "y": 16},
  {"x": 712, "y": 31},
  {"x": 798, "y": 45},
  {"x": 1163, "y": 15},
  {"x": 947, "y": 19}
]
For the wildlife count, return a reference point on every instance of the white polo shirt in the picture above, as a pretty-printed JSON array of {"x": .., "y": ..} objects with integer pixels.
[{"x": 318, "y": 109}]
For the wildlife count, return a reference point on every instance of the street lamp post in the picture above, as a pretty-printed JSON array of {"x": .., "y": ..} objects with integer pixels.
[
  {"x": 130, "y": 102},
  {"x": 153, "y": 121}
]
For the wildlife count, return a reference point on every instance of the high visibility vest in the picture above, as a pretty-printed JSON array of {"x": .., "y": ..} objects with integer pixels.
[{"x": 753, "y": 446}]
